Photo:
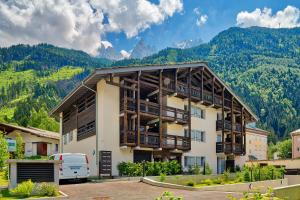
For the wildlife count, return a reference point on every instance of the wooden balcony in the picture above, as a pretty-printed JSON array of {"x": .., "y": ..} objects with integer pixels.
[
  {"x": 223, "y": 148},
  {"x": 226, "y": 148},
  {"x": 151, "y": 140},
  {"x": 147, "y": 139},
  {"x": 171, "y": 114},
  {"x": 227, "y": 126},
  {"x": 173, "y": 142}
]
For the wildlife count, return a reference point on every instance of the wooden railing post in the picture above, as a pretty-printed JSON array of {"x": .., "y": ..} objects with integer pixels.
[
  {"x": 160, "y": 109},
  {"x": 232, "y": 137},
  {"x": 138, "y": 100},
  {"x": 223, "y": 120}
]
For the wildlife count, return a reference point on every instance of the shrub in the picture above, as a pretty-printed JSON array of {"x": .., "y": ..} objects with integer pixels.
[
  {"x": 217, "y": 181},
  {"x": 47, "y": 189},
  {"x": 23, "y": 189},
  {"x": 19, "y": 147},
  {"x": 207, "y": 182},
  {"x": 208, "y": 170},
  {"x": 191, "y": 183},
  {"x": 162, "y": 177},
  {"x": 168, "y": 196},
  {"x": 226, "y": 175},
  {"x": 246, "y": 174},
  {"x": 239, "y": 177},
  {"x": 4, "y": 155},
  {"x": 151, "y": 168}
]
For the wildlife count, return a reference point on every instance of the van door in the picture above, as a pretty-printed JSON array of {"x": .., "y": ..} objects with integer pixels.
[{"x": 74, "y": 166}]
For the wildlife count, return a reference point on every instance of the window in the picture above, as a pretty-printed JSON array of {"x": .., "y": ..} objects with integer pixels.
[
  {"x": 197, "y": 135},
  {"x": 56, "y": 148},
  {"x": 190, "y": 161},
  {"x": 197, "y": 112},
  {"x": 70, "y": 136},
  {"x": 65, "y": 139}
]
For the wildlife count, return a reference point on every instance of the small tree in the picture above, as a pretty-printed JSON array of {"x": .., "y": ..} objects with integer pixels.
[
  {"x": 4, "y": 155},
  {"x": 19, "y": 147}
]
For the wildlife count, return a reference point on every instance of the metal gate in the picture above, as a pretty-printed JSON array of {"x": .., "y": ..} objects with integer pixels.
[{"x": 105, "y": 163}]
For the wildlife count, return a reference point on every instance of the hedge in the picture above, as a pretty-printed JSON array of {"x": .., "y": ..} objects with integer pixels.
[{"x": 151, "y": 168}]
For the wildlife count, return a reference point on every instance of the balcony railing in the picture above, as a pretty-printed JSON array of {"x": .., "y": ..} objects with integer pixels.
[
  {"x": 175, "y": 114},
  {"x": 226, "y": 148},
  {"x": 149, "y": 139},
  {"x": 149, "y": 107},
  {"x": 227, "y": 126},
  {"x": 218, "y": 100},
  {"x": 176, "y": 142},
  {"x": 182, "y": 88}
]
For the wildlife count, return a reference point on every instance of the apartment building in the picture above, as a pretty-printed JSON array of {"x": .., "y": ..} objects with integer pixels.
[
  {"x": 295, "y": 143},
  {"x": 181, "y": 112},
  {"x": 257, "y": 146}
]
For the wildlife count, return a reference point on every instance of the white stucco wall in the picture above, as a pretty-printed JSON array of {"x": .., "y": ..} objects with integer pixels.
[
  {"x": 86, "y": 146},
  {"x": 109, "y": 126}
]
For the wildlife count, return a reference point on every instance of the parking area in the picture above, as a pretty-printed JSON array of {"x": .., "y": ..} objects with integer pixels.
[{"x": 133, "y": 190}]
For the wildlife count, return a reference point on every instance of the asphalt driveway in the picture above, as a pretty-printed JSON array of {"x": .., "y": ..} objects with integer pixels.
[{"x": 132, "y": 190}]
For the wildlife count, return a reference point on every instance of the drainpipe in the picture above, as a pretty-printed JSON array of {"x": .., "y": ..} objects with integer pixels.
[
  {"x": 61, "y": 132},
  {"x": 96, "y": 124}
]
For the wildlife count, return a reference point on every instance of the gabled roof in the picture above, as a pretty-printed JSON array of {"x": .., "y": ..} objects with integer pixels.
[
  {"x": 7, "y": 128},
  {"x": 295, "y": 132},
  {"x": 100, "y": 73},
  {"x": 257, "y": 131}
]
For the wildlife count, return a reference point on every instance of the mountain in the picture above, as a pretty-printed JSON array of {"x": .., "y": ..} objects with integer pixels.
[
  {"x": 185, "y": 44},
  {"x": 142, "y": 50},
  {"x": 35, "y": 78},
  {"x": 262, "y": 65}
]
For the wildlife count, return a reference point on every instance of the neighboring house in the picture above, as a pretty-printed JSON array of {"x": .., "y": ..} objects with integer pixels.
[
  {"x": 36, "y": 141},
  {"x": 256, "y": 146},
  {"x": 295, "y": 143},
  {"x": 181, "y": 112}
]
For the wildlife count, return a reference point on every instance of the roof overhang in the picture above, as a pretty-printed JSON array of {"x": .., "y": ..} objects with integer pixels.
[{"x": 100, "y": 73}]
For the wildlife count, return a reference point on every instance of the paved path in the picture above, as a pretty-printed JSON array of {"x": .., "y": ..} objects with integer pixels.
[{"x": 132, "y": 190}]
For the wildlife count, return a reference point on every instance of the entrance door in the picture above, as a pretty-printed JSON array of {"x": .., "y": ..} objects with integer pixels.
[
  {"x": 140, "y": 156},
  {"x": 105, "y": 163},
  {"x": 41, "y": 148},
  {"x": 230, "y": 165}
]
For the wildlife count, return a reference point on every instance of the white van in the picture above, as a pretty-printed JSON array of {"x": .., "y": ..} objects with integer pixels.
[{"x": 74, "y": 166}]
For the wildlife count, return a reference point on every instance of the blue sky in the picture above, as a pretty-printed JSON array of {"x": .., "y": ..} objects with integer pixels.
[
  {"x": 91, "y": 25},
  {"x": 181, "y": 26}
]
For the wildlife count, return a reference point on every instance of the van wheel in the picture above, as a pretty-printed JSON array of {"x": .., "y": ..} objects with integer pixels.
[{"x": 83, "y": 180}]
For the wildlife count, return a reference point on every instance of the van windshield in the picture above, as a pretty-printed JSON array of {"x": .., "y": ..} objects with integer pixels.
[{"x": 74, "y": 159}]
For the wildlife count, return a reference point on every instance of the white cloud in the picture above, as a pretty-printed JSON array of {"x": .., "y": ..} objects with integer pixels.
[
  {"x": 106, "y": 44},
  {"x": 78, "y": 24},
  {"x": 124, "y": 54},
  {"x": 286, "y": 18},
  {"x": 201, "y": 20},
  {"x": 133, "y": 16}
]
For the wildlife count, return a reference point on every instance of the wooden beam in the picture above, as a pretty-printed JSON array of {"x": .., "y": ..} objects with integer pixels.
[
  {"x": 243, "y": 132},
  {"x": 190, "y": 104},
  {"x": 232, "y": 141},
  {"x": 176, "y": 81},
  {"x": 125, "y": 122},
  {"x": 160, "y": 109},
  {"x": 153, "y": 93},
  {"x": 202, "y": 84},
  {"x": 138, "y": 102},
  {"x": 213, "y": 90},
  {"x": 223, "y": 121}
]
